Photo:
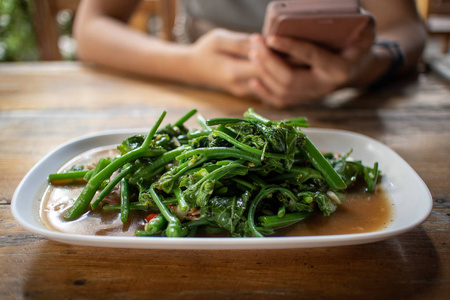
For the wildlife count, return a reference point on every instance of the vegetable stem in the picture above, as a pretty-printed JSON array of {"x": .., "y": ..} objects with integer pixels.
[
  {"x": 248, "y": 148},
  {"x": 263, "y": 193},
  {"x": 182, "y": 204},
  {"x": 186, "y": 117},
  {"x": 111, "y": 186},
  {"x": 124, "y": 201},
  {"x": 286, "y": 220},
  {"x": 225, "y": 121},
  {"x": 174, "y": 228},
  {"x": 323, "y": 166},
  {"x": 71, "y": 176},
  {"x": 220, "y": 153},
  {"x": 250, "y": 114},
  {"x": 83, "y": 201}
]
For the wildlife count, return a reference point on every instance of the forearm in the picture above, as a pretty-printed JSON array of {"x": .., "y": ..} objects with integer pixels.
[
  {"x": 398, "y": 22},
  {"x": 110, "y": 42},
  {"x": 218, "y": 59},
  {"x": 410, "y": 38},
  {"x": 410, "y": 35}
]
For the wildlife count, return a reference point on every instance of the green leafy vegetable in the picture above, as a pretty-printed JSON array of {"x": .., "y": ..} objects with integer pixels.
[{"x": 243, "y": 176}]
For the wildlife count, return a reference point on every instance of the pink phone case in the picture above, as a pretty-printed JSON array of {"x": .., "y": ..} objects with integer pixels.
[{"x": 331, "y": 24}]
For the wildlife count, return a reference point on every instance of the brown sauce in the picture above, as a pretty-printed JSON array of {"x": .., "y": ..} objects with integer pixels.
[
  {"x": 58, "y": 199},
  {"x": 360, "y": 212}
]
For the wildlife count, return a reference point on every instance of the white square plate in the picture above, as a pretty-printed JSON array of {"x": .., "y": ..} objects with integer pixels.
[{"x": 409, "y": 194}]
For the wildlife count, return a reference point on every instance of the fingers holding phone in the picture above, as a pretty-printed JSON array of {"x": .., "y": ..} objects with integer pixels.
[
  {"x": 282, "y": 84},
  {"x": 309, "y": 49}
]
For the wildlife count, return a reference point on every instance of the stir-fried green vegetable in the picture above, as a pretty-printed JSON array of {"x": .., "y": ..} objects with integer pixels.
[{"x": 246, "y": 176}]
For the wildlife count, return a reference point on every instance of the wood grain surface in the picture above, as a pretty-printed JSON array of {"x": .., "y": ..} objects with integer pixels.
[{"x": 43, "y": 105}]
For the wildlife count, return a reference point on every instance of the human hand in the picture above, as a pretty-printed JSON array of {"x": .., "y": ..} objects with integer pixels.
[
  {"x": 220, "y": 59},
  {"x": 285, "y": 82}
]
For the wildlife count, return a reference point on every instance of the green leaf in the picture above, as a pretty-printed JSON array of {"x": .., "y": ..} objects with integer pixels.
[
  {"x": 131, "y": 143},
  {"x": 228, "y": 212}
]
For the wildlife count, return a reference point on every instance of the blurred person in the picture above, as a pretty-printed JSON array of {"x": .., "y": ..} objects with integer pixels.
[{"x": 220, "y": 46}]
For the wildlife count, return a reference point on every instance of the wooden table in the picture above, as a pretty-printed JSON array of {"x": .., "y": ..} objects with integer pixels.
[{"x": 45, "y": 104}]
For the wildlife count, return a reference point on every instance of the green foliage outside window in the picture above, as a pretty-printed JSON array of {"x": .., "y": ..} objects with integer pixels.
[{"x": 17, "y": 35}]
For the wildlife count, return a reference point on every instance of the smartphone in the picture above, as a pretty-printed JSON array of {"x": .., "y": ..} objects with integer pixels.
[{"x": 328, "y": 23}]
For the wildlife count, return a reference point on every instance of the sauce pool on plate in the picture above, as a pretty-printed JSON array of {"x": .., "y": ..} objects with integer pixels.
[{"x": 360, "y": 212}]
